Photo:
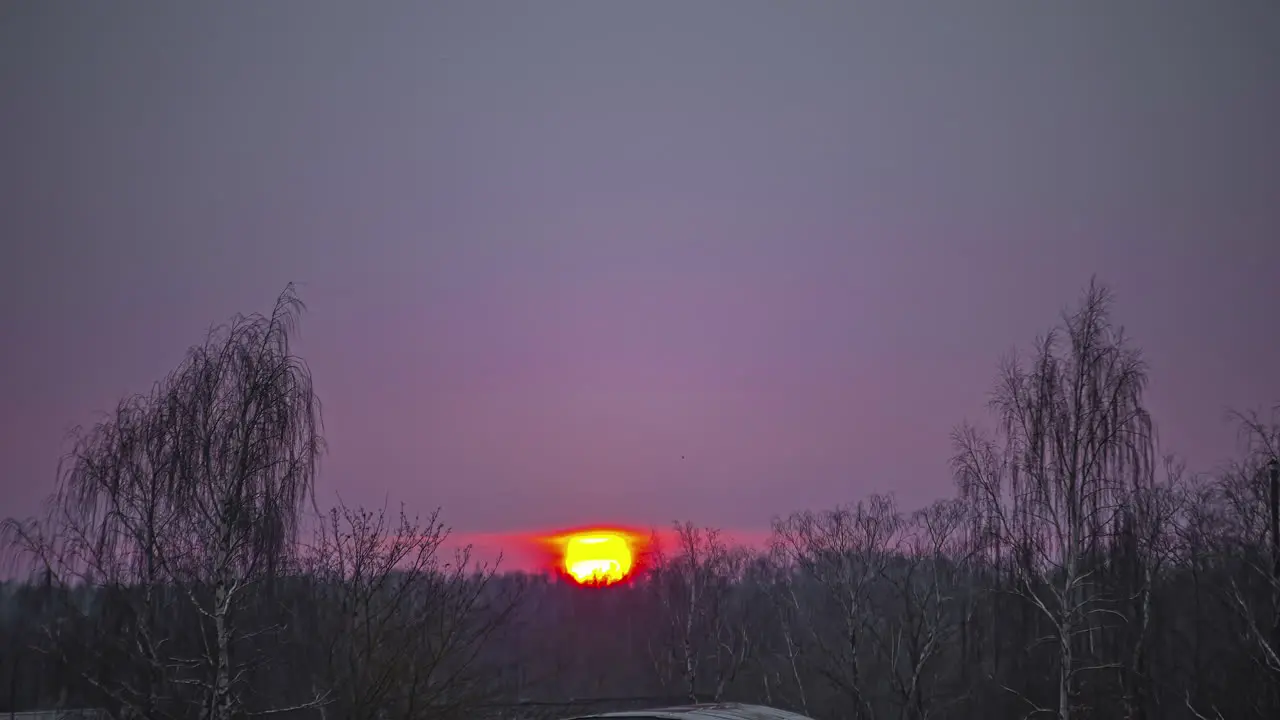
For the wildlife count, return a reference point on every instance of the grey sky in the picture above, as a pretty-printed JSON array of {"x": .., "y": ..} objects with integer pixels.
[{"x": 551, "y": 247}]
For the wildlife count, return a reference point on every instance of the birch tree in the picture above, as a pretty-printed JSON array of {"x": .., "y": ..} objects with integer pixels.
[
  {"x": 188, "y": 496},
  {"x": 1252, "y": 490},
  {"x": 924, "y": 615},
  {"x": 709, "y": 639},
  {"x": 1143, "y": 546},
  {"x": 1074, "y": 436},
  {"x": 842, "y": 554}
]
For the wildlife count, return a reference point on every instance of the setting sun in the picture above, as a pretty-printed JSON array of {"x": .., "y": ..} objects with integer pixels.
[{"x": 597, "y": 556}]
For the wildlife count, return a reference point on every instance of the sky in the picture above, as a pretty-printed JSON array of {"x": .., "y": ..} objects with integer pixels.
[{"x": 605, "y": 262}]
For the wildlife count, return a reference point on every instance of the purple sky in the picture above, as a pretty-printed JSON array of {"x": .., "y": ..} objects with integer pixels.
[{"x": 549, "y": 248}]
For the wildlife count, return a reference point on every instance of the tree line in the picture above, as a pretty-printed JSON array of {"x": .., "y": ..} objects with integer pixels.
[{"x": 1076, "y": 572}]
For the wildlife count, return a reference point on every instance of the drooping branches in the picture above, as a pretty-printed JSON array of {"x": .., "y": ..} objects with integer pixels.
[
  {"x": 1075, "y": 441},
  {"x": 196, "y": 488}
]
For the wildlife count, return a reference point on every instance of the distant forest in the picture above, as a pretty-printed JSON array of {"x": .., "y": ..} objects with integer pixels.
[{"x": 1076, "y": 572}]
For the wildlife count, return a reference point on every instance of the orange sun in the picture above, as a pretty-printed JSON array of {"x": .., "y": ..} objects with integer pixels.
[{"x": 599, "y": 556}]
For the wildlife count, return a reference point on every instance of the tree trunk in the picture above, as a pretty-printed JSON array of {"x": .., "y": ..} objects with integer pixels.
[
  {"x": 1274, "y": 467},
  {"x": 1066, "y": 661}
]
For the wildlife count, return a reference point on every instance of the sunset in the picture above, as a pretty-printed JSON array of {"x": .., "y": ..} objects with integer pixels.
[
  {"x": 595, "y": 556},
  {"x": 692, "y": 359}
]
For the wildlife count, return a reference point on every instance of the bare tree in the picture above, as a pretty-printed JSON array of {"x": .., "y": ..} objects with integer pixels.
[
  {"x": 1068, "y": 579},
  {"x": 787, "y": 618},
  {"x": 842, "y": 553},
  {"x": 197, "y": 487},
  {"x": 1252, "y": 490},
  {"x": 401, "y": 626},
  {"x": 709, "y": 638},
  {"x": 1076, "y": 436},
  {"x": 1147, "y": 538},
  {"x": 103, "y": 534},
  {"x": 926, "y": 615}
]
